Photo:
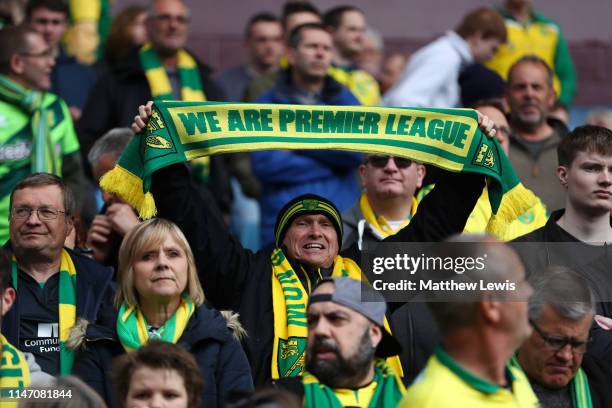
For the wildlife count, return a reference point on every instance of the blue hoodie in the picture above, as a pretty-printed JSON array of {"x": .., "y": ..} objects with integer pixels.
[{"x": 287, "y": 174}]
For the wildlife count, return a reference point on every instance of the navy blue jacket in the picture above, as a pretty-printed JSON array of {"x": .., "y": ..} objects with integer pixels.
[
  {"x": 286, "y": 174},
  {"x": 72, "y": 80},
  {"x": 222, "y": 361},
  {"x": 94, "y": 296}
]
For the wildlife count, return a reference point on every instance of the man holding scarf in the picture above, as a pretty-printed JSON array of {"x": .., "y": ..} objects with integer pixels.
[
  {"x": 36, "y": 130},
  {"x": 347, "y": 344},
  {"x": 270, "y": 288},
  {"x": 54, "y": 286}
]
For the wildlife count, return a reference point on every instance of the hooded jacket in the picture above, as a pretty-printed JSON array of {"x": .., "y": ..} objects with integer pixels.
[
  {"x": 287, "y": 174},
  {"x": 211, "y": 339},
  {"x": 238, "y": 279}
]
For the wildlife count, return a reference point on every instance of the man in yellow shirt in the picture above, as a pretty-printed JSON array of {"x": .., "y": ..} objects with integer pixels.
[{"x": 470, "y": 366}]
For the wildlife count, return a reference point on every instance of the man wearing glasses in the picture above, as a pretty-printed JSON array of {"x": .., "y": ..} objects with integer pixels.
[
  {"x": 553, "y": 357},
  {"x": 387, "y": 204},
  {"x": 36, "y": 130},
  {"x": 161, "y": 69},
  {"x": 54, "y": 286}
]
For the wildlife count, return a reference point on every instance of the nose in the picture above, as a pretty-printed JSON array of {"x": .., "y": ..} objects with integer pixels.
[
  {"x": 161, "y": 261},
  {"x": 605, "y": 177},
  {"x": 156, "y": 401},
  {"x": 391, "y": 167},
  {"x": 315, "y": 230},
  {"x": 565, "y": 353},
  {"x": 321, "y": 328},
  {"x": 33, "y": 218}
]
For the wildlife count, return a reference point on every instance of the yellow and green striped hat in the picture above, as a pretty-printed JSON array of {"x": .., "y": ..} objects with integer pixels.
[{"x": 303, "y": 205}]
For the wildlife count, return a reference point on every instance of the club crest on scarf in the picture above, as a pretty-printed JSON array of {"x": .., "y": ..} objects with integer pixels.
[{"x": 291, "y": 357}]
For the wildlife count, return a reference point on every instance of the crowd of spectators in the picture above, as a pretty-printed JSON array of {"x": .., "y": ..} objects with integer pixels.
[{"x": 247, "y": 288}]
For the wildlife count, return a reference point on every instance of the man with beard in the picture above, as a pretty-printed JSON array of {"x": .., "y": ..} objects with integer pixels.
[
  {"x": 535, "y": 135},
  {"x": 347, "y": 344}
]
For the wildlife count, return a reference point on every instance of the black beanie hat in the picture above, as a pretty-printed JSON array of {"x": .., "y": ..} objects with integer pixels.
[{"x": 303, "y": 205}]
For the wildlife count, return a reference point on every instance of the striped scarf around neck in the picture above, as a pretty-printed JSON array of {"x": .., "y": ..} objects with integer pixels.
[
  {"x": 32, "y": 104},
  {"x": 67, "y": 306},
  {"x": 133, "y": 330}
]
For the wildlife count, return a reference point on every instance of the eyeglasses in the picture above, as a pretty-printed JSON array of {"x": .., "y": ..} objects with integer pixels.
[
  {"x": 49, "y": 21},
  {"x": 166, "y": 18},
  {"x": 48, "y": 53},
  {"x": 556, "y": 343},
  {"x": 44, "y": 213},
  {"x": 381, "y": 161}
]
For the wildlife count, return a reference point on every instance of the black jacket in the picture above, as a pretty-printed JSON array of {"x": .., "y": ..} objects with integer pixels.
[
  {"x": 94, "y": 297},
  {"x": 114, "y": 102},
  {"x": 218, "y": 353},
  {"x": 238, "y": 279},
  {"x": 552, "y": 245},
  {"x": 600, "y": 378}
]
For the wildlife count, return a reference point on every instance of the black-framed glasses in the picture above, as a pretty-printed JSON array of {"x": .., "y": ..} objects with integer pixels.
[
  {"x": 380, "y": 161},
  {"x": 44, "y": 213},
  {"x": 556, "y": 343}
]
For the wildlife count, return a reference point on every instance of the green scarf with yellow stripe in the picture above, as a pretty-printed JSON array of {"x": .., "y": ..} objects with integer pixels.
[
  {"x": 67, "y": 306},
  {"x": 290, "y": 300},
  {"x": 388, "y": 392},
  {"x": 579, "y": 387},
  {"x": 132, "y": 328},
  {"x": 447, "y": 138},
  {"x": 32, "y": 103}
]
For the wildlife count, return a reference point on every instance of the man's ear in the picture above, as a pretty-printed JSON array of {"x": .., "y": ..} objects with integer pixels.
[
  {"x": 290, "y": 55},
  {"x": 362, "y": 171},
  {"x": 17, "y": 64},
  {"x": 8, "y": 298},
  {"x": 421, "y": 171},
  {"x": 375, "y": 334},
  {"x": 562, "y": 172},
  {"x": 490, "y": 308}
]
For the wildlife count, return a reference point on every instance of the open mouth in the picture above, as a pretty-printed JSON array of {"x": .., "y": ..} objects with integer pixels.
[{"x": 314, "y": 246}]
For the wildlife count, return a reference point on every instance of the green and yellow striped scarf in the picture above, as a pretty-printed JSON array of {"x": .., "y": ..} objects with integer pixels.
[
  {"x": 290, "y": 300},
  {"x": 388, "y": 393},
  {"x": 159, "y": 83},
  {"x": 447, "y": 138},
  {"x": 43, "y": 157},
  {"x": 579, "y": 387},
  {"x": 67, "y": 306},
  {"x": 132, "y": 325},
  {"x": 14, "y": 372},
  {"x": 379, "y": 224}
]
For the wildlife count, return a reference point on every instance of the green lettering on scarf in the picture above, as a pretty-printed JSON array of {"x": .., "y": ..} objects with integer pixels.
[{"x": 447, "y": 138}]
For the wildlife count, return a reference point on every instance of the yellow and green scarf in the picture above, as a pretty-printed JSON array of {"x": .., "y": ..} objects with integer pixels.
[
  {"x": 161, "y": 89},
  {"x": 379, "y": 224},
  {"x": 388, "y": 392},
  {"x": 579, "y": 387},
  {"x": 132, "y": 326},
  {"x": 157, "y": 77},
  {"x": 32, "y": 103},
  {"x": 67, "y": 306},
  {"x": 14, "y": 371},
  {"x": 290, "y": 300},
  {"x": 447, "y": 138}
]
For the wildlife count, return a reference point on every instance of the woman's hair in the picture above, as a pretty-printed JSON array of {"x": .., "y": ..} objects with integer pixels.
[
  {"x": 144, "y": 237},
  {"x": 158, "y": 355},
  {"x": 76, "y": 394},
  {"x": 119, "y": 42}
]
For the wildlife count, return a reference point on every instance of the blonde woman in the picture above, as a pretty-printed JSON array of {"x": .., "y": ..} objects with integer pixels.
[{"x": 160, "y": 297}]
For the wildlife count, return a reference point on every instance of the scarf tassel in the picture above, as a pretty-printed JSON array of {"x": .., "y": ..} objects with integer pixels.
[
  {"x": 514, "y": 203},
  {"x": 130, "y": 188}
]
